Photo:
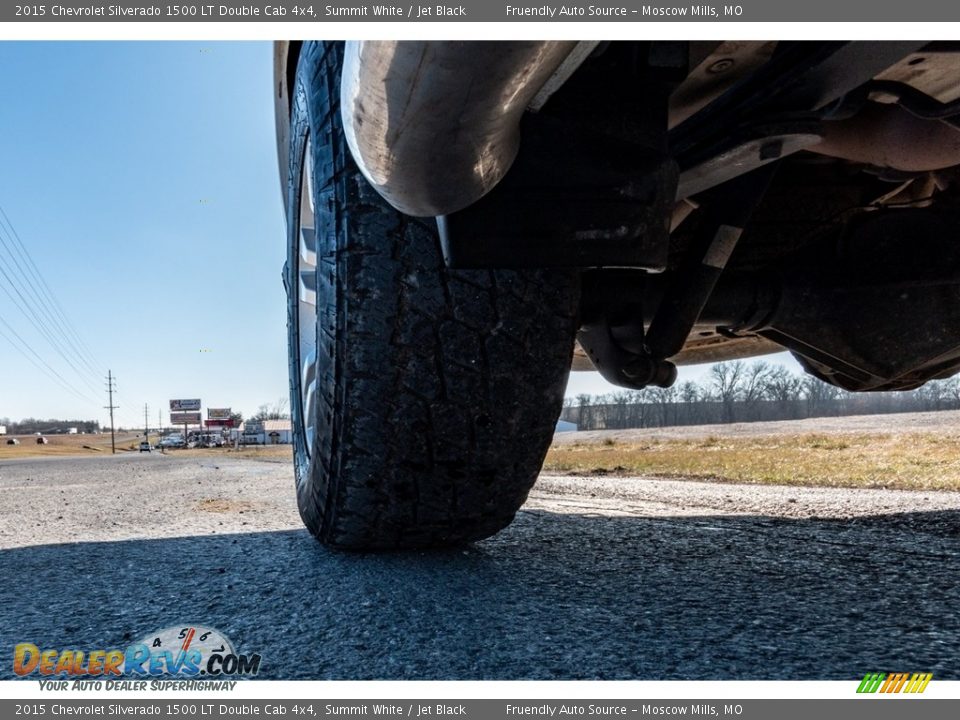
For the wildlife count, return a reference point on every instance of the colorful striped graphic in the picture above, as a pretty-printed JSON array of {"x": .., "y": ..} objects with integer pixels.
[{"x": 894, "y": 682}]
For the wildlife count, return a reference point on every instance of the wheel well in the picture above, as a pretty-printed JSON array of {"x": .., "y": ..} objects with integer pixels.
[{"x": 285, "y": 58}]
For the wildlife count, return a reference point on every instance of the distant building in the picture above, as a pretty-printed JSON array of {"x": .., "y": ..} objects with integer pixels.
[
  {"x": 564, "y": 426},
  {"x": 3, "y": 429},
  {"x": 71, "y": 431},
  {"x": 267, "y": 432}
]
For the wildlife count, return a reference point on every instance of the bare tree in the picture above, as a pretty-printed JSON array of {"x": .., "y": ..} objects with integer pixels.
[
  {"x": 690, "y": 392},
  {"x": 818, "y": 395},
  {"x": 783, "y": 388},
  {"x": 753, "y": 385},
  {"x": 277, "y": 411},
  {"x": 951, "y": 389},
  {"x": 639, "y": 403},
  {"x": 933, "y": 395},
  {"x": 585, "y": 417},
  {"x": 620, "y": 407},
  {"x": 280, "y": 409},
  {"x": 726, "y": 379},
  {"x": 664, "y": 399}
]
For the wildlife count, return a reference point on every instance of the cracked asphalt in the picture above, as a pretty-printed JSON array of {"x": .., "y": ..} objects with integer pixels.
[{"x": 598, "y": 578}]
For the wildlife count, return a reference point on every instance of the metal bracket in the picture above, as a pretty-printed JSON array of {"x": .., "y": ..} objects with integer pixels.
[{"x": 570, "y": 200}]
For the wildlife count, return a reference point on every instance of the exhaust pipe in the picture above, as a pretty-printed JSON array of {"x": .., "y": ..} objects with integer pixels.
[{"x": 434, "y": 126}]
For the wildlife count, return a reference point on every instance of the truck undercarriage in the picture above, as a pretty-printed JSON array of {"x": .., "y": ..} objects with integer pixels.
[{"x": 707, "y": 201}]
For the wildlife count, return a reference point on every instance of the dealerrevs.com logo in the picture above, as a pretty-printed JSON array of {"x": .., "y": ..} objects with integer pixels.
[{"x": 189, "y": 651}]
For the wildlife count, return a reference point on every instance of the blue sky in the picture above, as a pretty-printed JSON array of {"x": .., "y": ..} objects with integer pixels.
[{"x": 142, "y": 178}]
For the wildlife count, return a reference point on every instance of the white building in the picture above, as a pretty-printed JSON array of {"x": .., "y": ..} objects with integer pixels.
[
  {"x": 3, "y": 429},
  {"x": 267, "y": 432}
]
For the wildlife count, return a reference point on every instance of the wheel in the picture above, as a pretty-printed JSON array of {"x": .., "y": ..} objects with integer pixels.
[{"x": 423, "y": 400}]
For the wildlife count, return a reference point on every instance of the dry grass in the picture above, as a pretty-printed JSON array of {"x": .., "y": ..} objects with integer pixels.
[
  {"x": 79, "y": 445},
  {"x": 66, "y": 445},
  {"x": 266, "y": 453},
  {"x": 915, "y": 461}
]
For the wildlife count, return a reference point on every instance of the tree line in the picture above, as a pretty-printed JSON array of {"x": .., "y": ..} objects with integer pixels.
[
  {"x": 29, "y": 426},
  {"x": 748, "y": 392}
]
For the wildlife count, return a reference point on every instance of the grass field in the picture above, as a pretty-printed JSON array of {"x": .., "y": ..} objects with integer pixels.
[
  {"x": 915, "y": 461},
  {"x": 267, "y": 453},
  {"x": 916, "y": 452},
  {"x": 79, "y": 445},
  {"x": 66, "y": 445}
]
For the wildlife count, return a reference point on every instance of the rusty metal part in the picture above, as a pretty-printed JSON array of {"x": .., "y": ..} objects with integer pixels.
[
  {"x": 704, "y": 345},
  {"x": 888, "y": 136},
  {"x": 434, "y": 126},
  {"x": 714, "y": 73},
  {"x": 682, "y": 209},
  {"x": 745, "y": 154},
  {"x": 775, "y": 110},
  {"x": 708, "y": 346},
  {"x": 916, "y": 192},
  {"x": 932, "y": 70}
]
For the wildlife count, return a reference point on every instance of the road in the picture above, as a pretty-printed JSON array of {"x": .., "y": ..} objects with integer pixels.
[{"x": 610, "y": 578}]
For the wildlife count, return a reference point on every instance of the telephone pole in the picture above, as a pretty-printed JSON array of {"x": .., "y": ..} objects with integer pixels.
[
  {"x": 146, "y": 424},
  {"x": 111, "y": 407}
]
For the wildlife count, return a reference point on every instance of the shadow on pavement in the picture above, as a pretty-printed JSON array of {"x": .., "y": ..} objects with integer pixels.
[{"x": 555, "y": 596}]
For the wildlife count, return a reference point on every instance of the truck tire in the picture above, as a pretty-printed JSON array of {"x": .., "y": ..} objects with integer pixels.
[{"x": 423, "y": 399}]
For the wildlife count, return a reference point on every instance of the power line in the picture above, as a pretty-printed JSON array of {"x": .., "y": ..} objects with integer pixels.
[
  {"x": 53, "y": 302},
  {"x": 125, "y": 417},
  {"x": 49, "y": 371},
  {"x": 40, "y": 307},
  {"x": 39, "y": 325},
  {"x": 30, "y": 288},
  {"x": 111, "y": 407}
]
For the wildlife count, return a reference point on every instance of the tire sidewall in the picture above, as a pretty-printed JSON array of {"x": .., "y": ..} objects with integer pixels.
[{"x": 299, "y": 133}]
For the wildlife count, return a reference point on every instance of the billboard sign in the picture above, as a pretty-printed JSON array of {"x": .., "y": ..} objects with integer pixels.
[
  {"x": 185, "y": 418},
  {"x": 219, "y": 423},
  {"x": 178, "y": 405},
  {"x": 218, "y": 413}
]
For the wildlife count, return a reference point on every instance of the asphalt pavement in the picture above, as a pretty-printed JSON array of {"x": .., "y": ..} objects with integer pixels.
[{"x": 598, "y": 578}]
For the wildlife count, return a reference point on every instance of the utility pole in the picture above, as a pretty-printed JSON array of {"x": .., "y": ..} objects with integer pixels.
[
  {"x": 111, "y": 407},
  {"x": 146, "y": 425}
]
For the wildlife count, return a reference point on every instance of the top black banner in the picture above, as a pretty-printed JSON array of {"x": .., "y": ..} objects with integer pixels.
[{"x": 484, "y": 11}]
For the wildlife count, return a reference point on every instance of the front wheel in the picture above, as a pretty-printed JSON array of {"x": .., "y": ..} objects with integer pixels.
[{"x": 423, "y": 399}]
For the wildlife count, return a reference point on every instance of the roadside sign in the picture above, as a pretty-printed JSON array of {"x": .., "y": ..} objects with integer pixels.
[
  {"x": 218, "y": 413},
  {"x": 228, "y": 423},
  {"x": 185, "y": 418},
  {"x": 177, "y": 405}
]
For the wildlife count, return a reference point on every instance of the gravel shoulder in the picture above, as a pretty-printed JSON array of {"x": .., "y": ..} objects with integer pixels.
[{"x": 598, "y": 578}]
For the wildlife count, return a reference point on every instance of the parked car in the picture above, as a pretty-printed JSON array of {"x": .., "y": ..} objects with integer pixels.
[
  {"x": 495, "y": 213},
  {"x": 13, "y": 441},
  {"x": 145, "y": 446},
  {"x": 171, "y": 441}
]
